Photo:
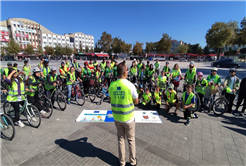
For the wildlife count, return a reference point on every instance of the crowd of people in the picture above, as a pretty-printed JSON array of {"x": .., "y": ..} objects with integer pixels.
[{"x": 153, "y": 84}]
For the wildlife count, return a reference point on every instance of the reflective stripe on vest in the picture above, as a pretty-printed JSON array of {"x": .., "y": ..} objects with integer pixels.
[
  {"x": 32, "y": 87},
  {"x": 63, "y": 72},
  {"x": 166, "y": 70},
  {"x": 215, "y": 79},
  {"x": 76, "y": 65},
  {"x": 13, "y": 92},
  {"x": 201, "y": 89},
  {"x": 171, "y": 97},
  {"x": 133, "y": 71},
  {"x": 190, "y": 76},
  {"x": 157, "y": 65},
  {"x": 121, "y": 101},
  {"x": 26, "y": 69}
]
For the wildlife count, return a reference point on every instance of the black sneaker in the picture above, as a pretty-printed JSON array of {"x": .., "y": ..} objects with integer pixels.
[
  {"x": 54, "y": 107},
  {"x": 187, "y": 123},
  {"x": 175, "y": 113},
  {"x": 195, "y": 115}
]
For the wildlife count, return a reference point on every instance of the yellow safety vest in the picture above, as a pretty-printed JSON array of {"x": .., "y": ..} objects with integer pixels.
[
  {"x": 13, "y": 92},
  {"x": 171, "y": 97}
]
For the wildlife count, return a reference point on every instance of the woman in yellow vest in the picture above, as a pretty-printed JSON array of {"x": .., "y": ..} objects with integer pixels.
[
  {"x": 63, "y": 72},
  {"x": 46, "y": 68},
  {"x": 188, "y": 103},
  {"x": 26, "y": 69},
  {"x": 16, "y": 94},
  {"x": 133, "y": 71},
  {"x": 176, "y": 76},
  {"x": 171, "y": 98}
]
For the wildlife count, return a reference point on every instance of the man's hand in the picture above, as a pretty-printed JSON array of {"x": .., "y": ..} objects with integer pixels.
[
  {"x": 57, "y": 82},
  {"x": 54, "y": 84},
  {"x": 233, "y": 90},
  {"x": 184, "y": 107}
]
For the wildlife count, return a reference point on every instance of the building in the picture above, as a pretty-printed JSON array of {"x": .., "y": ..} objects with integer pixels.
[
  {"x": 4, "y": 38},
  {"x": 25, "y": 31},
  {"x": 175, "y": 45}
]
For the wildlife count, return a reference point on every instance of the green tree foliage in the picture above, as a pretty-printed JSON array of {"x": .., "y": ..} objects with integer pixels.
[
  {"x": 240, "y": 37},
  {"x": 195, "y": 49},
  {"x": 221, "y": 34},
  {"x": 86, "y": 49},
  {"x": 138, "y": 48},
  {"x": 231, "y": 52},
  {"x": 40, "y": 50},
  {"x": 117, "y": 45},
  {"x": 13, "y": 47},
  {"x": 149, "y": 47},
  {"x": 59, "y": 50},
  {"x": 97, "y": 48},
  {"x": 206, "y": 50},
  {"x": 105, "y": 41},
  {"x": 29, "y": 49},
  {"x": 164, "y": 45},
  {"x": 67, "y": 51},
  {"x": 74, "y": 50},
  {"x": 91, "y": 50},
  {"x": 80, "y": 47},
  {"x": 128, "y": 48},
  {"x": 3, "y": 51},
  {"x": 49, "y": 50},
  {"x": 182, "y": 49}
]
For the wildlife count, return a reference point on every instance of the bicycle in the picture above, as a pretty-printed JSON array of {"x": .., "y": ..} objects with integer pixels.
[
  {"x": 30, "y": 111},
  {"x": 45, "y": 102},
  {"x": 77, "y": 94},
  {"x": 104, "y": 95},
  {"x": 90, "y": 89},
  {"x": 220, "y": 102},
  {"x": 7, "y": 127},
  {"x": 60, "y": 98}
]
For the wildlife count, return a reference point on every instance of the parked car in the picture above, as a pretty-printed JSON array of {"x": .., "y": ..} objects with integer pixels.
[
  {"x": 160, "y": 59},
  {"x": 225, "y": 63},
  {"x": 183, "y": 60}
]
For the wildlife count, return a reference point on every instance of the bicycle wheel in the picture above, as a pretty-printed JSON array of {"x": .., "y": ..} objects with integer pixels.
[
  {"x": 198, "y": 102},
  {"x": 4, "y": 94},
  {"x": 33, "y": 116},
  {"x": 80, "y": 97},
  {"x": 8, "y": 109},
  {"x": 7, "y": 127},
  {"x": 236, "y": 100},
  {"x": 92, "y": 94},
  {"x": 220, "y": 106},
  {"x": 47, "y": 107},
  {"x": 61, "y": 101}
]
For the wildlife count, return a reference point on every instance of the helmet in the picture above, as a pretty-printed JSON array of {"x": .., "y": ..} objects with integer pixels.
[
  {"x": 9, "y": 63},
  {"x": 167, "y": 62},
  {"x": 192, "y": 63},
  {"x": 233, "y": 70},
  {"x": 214, "y": 69},
  {"x": 136, "y": 84},
  {"x": 147, "y": 61},
  {"x": 53, "y": 69},
  {"x": 46, "y": 61},
  {"x": 200, "y": 74},
  {"x": 62, "y": 63},
  {"x": 25, "y": 61},
  {"x": 86, "y": 63},
  {"x": 107, "y": 61},
  {"x": 141, "y": 86},
  {"x": 170, "y": 86},
  {"x": 35, "y": 70}
]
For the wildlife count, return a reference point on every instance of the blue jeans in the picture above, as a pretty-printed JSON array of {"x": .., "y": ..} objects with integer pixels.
[{"x": 69, "y": 91}]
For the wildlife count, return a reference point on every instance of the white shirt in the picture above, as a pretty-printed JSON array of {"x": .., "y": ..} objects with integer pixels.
[{"x": 133, "y": 93}]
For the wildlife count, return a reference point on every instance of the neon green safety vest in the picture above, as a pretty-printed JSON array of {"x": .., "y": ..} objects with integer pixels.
[
  {"x": 146, "y": 98},
  {"x": 175, "y": 73},
  {"x": 201, "y": 89},
  {"x": 63, "y": 72},
  {"x": 32, "y": 87},
  {"x": 133, "y": 71},
  {"x": 151, "y": 74},
  {"x": 103, "y": 65},
  {"x": 157, "y": 65},
  {"x": 95, "y": 64},
  {"x": 165, "y": 68},
  {"x": 72, "y": 77},
  {"x": 157, "y": 96},
  {"x": 171, "y": 97},
  {"x": 27, "y": 69},
  {"x": 46, "y": 71},
  {"x": 15, "y": 69},
  {"x": 139, "y": 65},
  {"x": 215, "y": 79},
  {"x": 161, "y": 82},
  {"x": 115, "y": 71},
  {"x": 13, "y": 92},
  {"x": 190, "y": 76},
  {"x": 111, "y": 65},
  {"x": 40, "y": 65},
  {"x": 76, "y": 65},
  {"x": 98, "y": 75},
  {"x": 6, "y": 71},
  {"x": 1, "y": 70},
  {"x": 121, "y": 101},
  {"x": 188, "y": 101},
  {"x": 144, "y": 74},
  {"x": 47, "y": 85},
  {"x": 147, "y": 67},
  {"x": 67, "y": 65}
]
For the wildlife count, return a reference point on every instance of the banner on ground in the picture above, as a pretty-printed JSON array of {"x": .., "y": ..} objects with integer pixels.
[{"x": 107, "y": 116}]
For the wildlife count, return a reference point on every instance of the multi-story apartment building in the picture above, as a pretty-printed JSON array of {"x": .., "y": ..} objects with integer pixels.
[
  {"x": 25, "y": 31},
  {"x": 175, "y": 45}
]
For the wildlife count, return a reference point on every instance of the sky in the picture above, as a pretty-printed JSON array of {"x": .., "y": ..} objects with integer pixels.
[{"x": 131, "y": 21}]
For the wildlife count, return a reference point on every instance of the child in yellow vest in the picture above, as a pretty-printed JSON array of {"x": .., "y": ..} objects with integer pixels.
[
  {"x": 147, "y": 98},
  {"x": 157, "y": 97}
]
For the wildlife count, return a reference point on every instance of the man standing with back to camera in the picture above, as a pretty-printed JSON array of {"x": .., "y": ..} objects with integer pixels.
[{"x": 122, "y": 96}]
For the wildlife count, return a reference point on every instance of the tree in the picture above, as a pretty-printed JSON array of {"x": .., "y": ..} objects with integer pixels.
[
  {"x": 206, "y": 50},
  {"x": 149, "y": 47},
  {"x": 118, "y": 45},
  {"x": 80, "y": 47},
  {"x": 13, "y": 47},
  {"x": 164, "y": 44},
  {"x": 105, "y": 41},
  {"x": 97, "y": 48},
  {"x": 29, "y": 49},
  {"x": 240, "y": 37},
  {"x": 221, "y": 34},
  {"x": 182, "y": 49},
  {"x": 49, "y": 50},
  {"x": 59, "y": 50},
  {"x": 128, "y": 48},
  {"x": 195, "y": 49},
  {"x": 2, "y": 51},
  {"x": 92, "y": 50},
  {"x": 74, "y": 50},
  {"x": 138, "y": 48},
  {"x": 86, "y": 49},
  {"x": 67, "y": 51},
  {"x": 40, "y": 50},
  {"x": 243, "y": 51}
]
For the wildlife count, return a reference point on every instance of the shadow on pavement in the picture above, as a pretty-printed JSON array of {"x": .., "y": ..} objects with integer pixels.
[
  {"x": 82, "y": 148},
  {"x": 240, "y": 131}
]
